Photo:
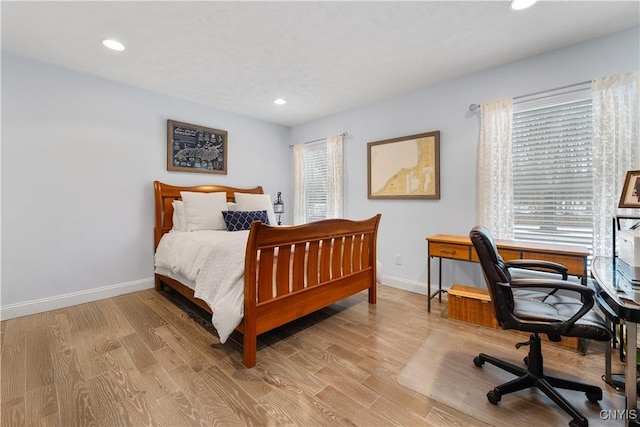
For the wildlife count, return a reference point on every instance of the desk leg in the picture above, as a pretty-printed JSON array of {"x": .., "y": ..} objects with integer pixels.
[
  {"x": 439, "y": 291},
  {"x": 614, "y": 380},
  {"x": 428, "y": 284},
  {"x": 630, "y": 389},
  {"x": 607, "y": 357},
  {"x": 440, "y": 280}
]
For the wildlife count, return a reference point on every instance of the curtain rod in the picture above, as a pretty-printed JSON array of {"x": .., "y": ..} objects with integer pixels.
[
  {"x": 344, "y": 135},
  {"x": 474, "y": 107}
]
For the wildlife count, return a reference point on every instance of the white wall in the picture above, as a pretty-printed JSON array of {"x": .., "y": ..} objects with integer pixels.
[
  {"x": 79, "y": 157},
  {"x": 444, "y": 107}
]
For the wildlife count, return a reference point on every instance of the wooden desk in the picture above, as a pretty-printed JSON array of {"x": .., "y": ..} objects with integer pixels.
[{"x": 460, "y": 248}]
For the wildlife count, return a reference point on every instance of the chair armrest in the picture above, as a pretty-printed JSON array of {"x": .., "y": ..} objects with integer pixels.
[
  {"x": 586, "y": 294},
  {"x": 539, "y": 265}
]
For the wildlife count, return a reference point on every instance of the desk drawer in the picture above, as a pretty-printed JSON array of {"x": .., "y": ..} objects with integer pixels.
[
  {"x": 448, "y": 250},
  {"x": 574, "y": 264},
  {"x": 506, "y": 254}
]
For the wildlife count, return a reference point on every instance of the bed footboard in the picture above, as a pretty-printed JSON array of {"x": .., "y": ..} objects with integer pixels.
[{"x": 293, "y": 271}]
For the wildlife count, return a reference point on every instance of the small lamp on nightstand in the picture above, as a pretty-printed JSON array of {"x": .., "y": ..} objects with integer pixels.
[{"x": 278, "y": 207}]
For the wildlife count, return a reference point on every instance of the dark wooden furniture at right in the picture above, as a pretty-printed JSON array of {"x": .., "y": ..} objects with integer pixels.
[{"x": 615, "y": 296}]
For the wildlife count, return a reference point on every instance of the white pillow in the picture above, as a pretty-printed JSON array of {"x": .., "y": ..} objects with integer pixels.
[
  {"x": 231, "y": 206},
  {"x": 179, "y": 223},
  {"x": 203, "y": 211},
  {"x": 256, "y": 202}
]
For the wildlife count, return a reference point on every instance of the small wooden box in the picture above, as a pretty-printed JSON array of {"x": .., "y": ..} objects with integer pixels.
[{"x": 471, "y": 304}]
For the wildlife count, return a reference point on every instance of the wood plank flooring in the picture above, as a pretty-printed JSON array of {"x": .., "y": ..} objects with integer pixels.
[{"x": 140, "y": 359}]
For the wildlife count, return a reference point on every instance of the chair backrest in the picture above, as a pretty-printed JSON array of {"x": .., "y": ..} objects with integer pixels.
[{"x": 495, "y": 271}]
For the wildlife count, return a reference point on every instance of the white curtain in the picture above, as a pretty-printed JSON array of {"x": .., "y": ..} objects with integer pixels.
[
  {"x": 335, "y": 177},
  {"x": 298, "y": 184},
  {"x": 616, "y": 149},
  {"x": 495, "y": 177}
]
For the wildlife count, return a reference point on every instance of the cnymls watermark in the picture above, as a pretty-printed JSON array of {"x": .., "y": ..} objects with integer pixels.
[{"x": 619, "y": 414}]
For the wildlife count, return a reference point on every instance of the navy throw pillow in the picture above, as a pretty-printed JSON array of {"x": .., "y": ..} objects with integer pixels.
[{"x": 241, "y": 220}]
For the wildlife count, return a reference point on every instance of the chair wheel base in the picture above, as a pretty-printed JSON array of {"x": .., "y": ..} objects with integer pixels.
[
  {"x": 494, "y": 396},
  {"x": 579, "y": 423},
  {"x": 594, "y": 397},
  {"x": 478, "y": 361}
]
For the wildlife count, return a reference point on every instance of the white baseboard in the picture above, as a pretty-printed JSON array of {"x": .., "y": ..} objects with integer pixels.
[
  {"x": 61, "y": 301},
  {"x": 67, "y": 300},
  {"x": 404, "y": 284}
]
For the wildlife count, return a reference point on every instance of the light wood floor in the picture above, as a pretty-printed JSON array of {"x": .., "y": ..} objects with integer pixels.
[{"x": 139, "y": 359}]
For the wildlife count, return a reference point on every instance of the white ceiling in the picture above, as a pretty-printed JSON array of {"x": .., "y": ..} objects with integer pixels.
[{"x": 322, "y": 57}]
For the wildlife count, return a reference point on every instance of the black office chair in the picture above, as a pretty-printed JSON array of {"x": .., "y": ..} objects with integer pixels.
[{"x": 556, "y": 316}]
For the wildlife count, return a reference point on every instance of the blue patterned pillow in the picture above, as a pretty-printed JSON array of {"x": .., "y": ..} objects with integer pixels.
[{"x": 241, "y": 220}]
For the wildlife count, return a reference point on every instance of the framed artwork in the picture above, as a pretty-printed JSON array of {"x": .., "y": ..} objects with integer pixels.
[
  {"x": 630, "y": 197},
  {"x": 405, "y": 168},
  {"x": 193, "y": 148}
]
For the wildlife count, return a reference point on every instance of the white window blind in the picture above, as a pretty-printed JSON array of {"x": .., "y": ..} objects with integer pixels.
[
  {"x": 315, "y": 203},
  {"x": 552, "y": 168}
]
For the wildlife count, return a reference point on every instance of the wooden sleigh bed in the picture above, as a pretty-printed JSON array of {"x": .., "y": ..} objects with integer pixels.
[{"x": 289, "y": 271}]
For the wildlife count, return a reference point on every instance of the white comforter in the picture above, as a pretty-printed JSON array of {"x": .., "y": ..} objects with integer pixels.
[{"x": 214, "y": 262}]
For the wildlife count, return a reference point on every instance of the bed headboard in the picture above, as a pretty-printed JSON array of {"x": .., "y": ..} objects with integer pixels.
[{"x": 165, "y": 194}]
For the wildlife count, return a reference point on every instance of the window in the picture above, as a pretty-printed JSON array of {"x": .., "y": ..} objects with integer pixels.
[
  {"x": 315, "y": 195},
  {"x": 552, "y": 142},
  {"x": 318, "y": 169},
  {"x": 553, "y": 168}
]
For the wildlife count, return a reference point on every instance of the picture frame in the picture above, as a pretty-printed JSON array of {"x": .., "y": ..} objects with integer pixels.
[
  {"x": 194, "y": 148},
  {"x": 407, "y": 167},
  {"x": 630, "y": 197}
]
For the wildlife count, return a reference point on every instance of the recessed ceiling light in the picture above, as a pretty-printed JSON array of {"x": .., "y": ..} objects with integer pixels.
[
  {"x": 279, "y": 101},
  {"x": 522, "y": 4},
  {"x": 113, "y": 44}
]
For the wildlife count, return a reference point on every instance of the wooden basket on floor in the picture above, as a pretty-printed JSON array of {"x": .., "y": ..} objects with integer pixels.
[{"x": 472, "y": 305}]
